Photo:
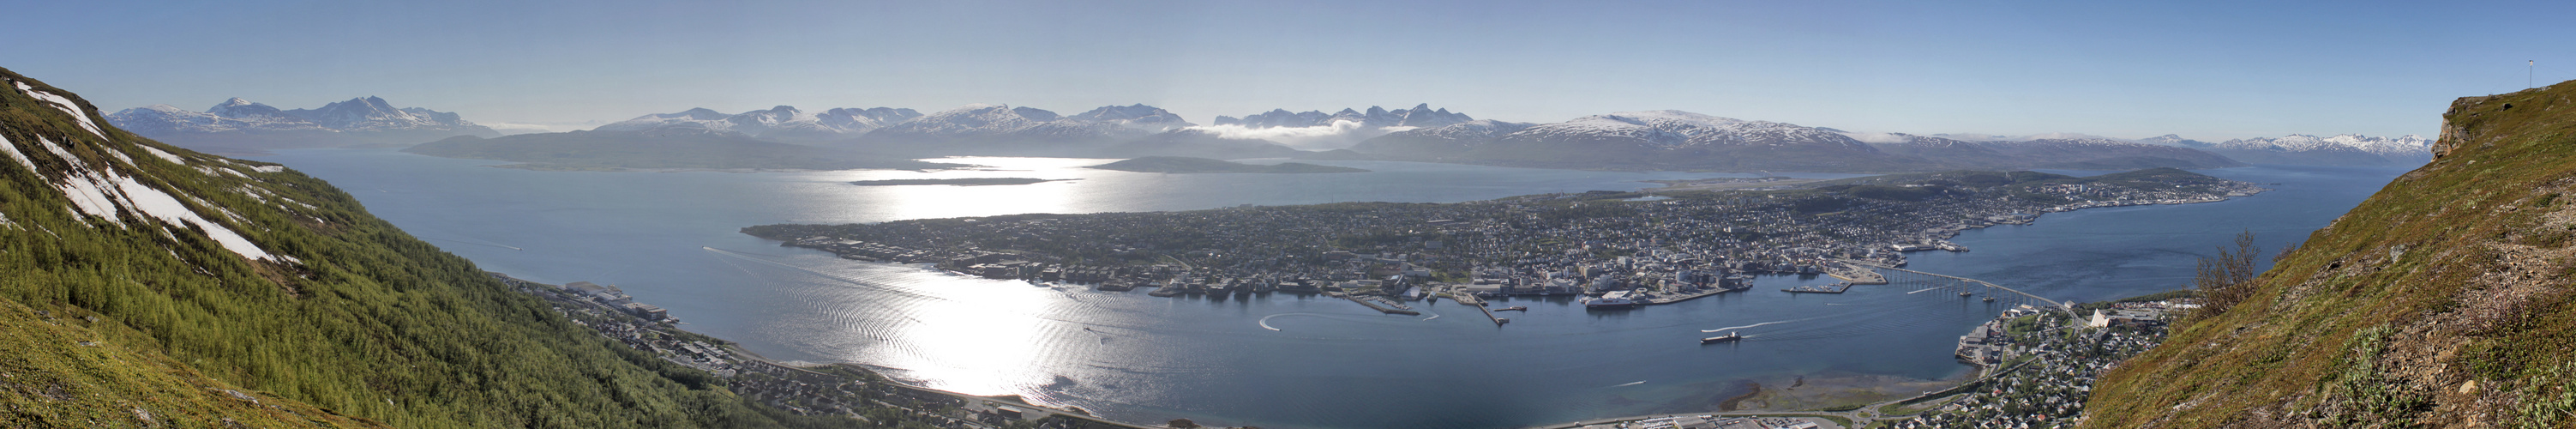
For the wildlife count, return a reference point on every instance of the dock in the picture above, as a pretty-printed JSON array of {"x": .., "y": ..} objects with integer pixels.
[
  {"x": 1855, "y": 274},
  {"x": 1479, "y": 303},
  {"x": 1838, "y": 287},
  {"x": 1381, "y": 308},
  {"x": 1668, "y": 299}
]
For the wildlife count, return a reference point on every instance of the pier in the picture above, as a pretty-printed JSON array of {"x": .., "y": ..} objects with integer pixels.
[
  {"x": 1373, "y": 305},
  {"x": 1474, "y": 301},
  {"x": 1668, "y": 299},
  {"x": 2068, "y": 308},
  {"x": 1837, "y": 287}
]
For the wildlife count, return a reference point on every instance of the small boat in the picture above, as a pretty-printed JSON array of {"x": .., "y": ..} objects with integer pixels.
[
  {"x": 1990, "y": 299},
  {"x": 1965, "y": 294},
  {"x": 1502, "y": 320},
  {"x": 1513, "y": 308},
  {"x": 1728, "y": 338}
]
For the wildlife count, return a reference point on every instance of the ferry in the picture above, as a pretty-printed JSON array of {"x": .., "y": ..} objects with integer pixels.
[
  {"x": 1728, "y": 338},
  {"x": 1617, "y": 299}
]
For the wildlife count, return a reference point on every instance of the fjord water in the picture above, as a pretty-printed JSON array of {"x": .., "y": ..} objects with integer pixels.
[{"x": 671, "y": 239}]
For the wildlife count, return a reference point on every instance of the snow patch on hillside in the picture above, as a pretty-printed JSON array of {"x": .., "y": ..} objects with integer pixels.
[
  {"x": 62, "y": 103},
  {"x": 174, "y": 159},
  {"x": 104, "y": 193},
  {"x": 14, "y": 153}
]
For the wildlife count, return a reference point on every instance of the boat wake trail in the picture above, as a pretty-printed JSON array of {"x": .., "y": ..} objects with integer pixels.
[
  {"x": 1265, "y": 320},
  {"x": 1748, "y": 326},
  {"x": 1632, "y": 383},
  {"x": 1928, "y": 288},
  {"x": 855, "y": 282},
  {"x": 1433, "y": 316}
]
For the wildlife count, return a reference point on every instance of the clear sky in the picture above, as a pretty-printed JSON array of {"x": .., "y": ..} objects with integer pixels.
[{"x": 2205, "y": 70}]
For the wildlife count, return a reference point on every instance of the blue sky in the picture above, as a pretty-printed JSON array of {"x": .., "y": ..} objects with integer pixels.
[{"x": 2205, "y": 70}]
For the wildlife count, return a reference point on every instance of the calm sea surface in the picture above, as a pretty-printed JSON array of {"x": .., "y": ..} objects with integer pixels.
[{"x": 1280, "y": 361}]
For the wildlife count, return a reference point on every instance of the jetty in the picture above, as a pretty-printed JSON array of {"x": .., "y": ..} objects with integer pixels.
[
  {"x": 1673, "y": 298},
  {"x": 1854, "y": 274},
  {"x": 1373, "y": 305},
  {"x": 1472, "y": 300},
  {"x": 1837, "y": 287}
]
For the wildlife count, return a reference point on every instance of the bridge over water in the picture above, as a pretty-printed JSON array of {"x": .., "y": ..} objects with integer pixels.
[{"x": 2068, "y": 308}]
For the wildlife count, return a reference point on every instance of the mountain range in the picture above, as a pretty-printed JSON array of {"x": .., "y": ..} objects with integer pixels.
[
  {"x": 1420, "y": 116},
  {"x": 241, "y": 126},
  {"x": 2347, "y": 149},
  {"x": 1665, "y": 139}
]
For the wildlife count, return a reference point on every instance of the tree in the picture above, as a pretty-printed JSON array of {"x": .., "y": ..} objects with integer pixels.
[{"x": 2226, "y": 279}]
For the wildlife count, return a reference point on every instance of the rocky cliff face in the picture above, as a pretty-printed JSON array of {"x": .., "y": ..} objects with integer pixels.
[{"x": 2443, "y": 301}]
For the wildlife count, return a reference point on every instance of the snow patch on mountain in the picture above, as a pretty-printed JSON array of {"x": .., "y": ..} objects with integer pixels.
[
  {"x": 64, "y": 104},
  {"x": 1138, "y": 117},
  {"x": 2407, "y": 146},
  {"x": 1338, "y": 135},
  {"x": 1420, "y": 116},
  {"x": 784, "y": 123},
  {"x": 241, "y": 124},
  {"x": 15, "y": 154},
  {"x": 1979, "y": 137},
  {"x": 106, "y": 193},
  {"x": 1879, "y": 137}
]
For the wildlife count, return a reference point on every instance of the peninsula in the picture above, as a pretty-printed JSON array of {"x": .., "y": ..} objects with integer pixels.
[
  {"x": 1188, "y": 165},
  {"x": 1651, "y": 251}
]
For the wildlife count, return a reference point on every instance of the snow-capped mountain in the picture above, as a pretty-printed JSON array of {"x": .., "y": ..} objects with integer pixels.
[
  {"x": 1439, "y": 143},
  {"x": 2409, "y": 145},
  {"x": 1679, "y": 128},
  {"x": 2175, "y": 140},
  {"x": 2302, "y": 149},
  {"x": 1421, "y": 115},
  {"x": 997, "y": 129},
  {"x": 1662, "y": 139},
  {"x": 1672, "y": 139},
  {"x": 2090, "y": 153},
  {"x": 243, "y": 126},
  {"x": 781, "y": 123},
  {"x": 1135, "y": 117}
]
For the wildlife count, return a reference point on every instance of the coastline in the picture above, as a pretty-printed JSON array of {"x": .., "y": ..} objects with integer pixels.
[{"x": 786, "y": 385}]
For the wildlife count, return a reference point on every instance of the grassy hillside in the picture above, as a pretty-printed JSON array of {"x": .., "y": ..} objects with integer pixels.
[
  {"x": 351, "y": 317},
  {"x": 2442, "y": 301}
]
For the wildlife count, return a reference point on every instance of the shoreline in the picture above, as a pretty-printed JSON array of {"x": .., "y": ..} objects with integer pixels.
[{"x": 784, "y": 383}]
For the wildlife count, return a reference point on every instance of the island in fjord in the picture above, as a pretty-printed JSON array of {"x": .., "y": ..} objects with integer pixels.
[{"x": 1188, "y": 165}]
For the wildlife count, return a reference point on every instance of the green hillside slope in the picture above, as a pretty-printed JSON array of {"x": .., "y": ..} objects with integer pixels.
[
  {"x": 2442, "y": 301},
  {"x": 211, "y": 273}
]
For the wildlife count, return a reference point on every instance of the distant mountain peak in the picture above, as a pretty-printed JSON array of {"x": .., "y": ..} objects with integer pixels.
[
  {"x": 778, "y": 123},
  {"x": 240, "y": 124},
  {"x": 1419, "y": 116}
]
